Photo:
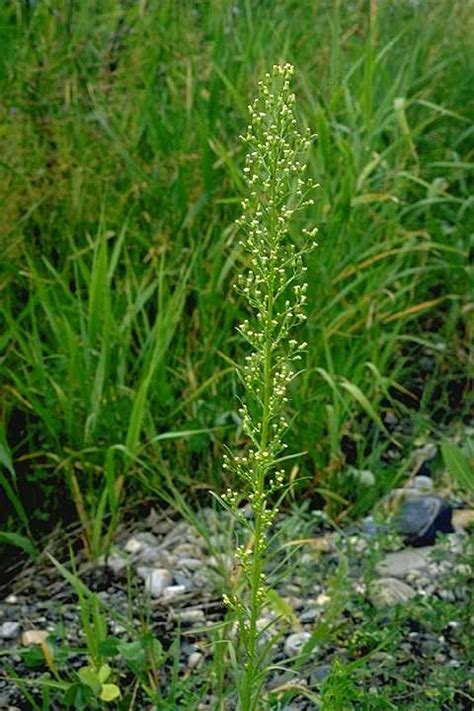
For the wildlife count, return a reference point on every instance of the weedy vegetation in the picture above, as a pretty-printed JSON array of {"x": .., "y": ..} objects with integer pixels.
[
  {"x": 275, "y": 290},
  {"x": 127, "y": 268}
]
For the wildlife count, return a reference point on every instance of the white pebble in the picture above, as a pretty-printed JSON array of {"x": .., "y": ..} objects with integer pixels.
[
  {"x": 133, "y": 546},
  {"x": 191, "y": 616},
  {"x": 194, "y": 660},
  {"x": 173, "y": 591},
  {"x": 9, "y": 630},
  {"x": 322, "y": 599},
  {"x": 31, "y": 637},
  {"x": 156, "y": 579}
]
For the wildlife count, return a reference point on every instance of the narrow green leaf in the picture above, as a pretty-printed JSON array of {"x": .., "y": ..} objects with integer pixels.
[
  {"x": 15, "y": 539},
  {"x": 5, "y": 452},
  {"x": 458, "y": 465},
  {"x": 358, "y": 395},
  {"x": 80, "y": 589},
  {"x": 281, "y": 607}
]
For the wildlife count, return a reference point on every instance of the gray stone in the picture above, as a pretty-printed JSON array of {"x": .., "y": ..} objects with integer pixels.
[
  {"x": 390, "y": 592},
  {"x": 173, "y": 591},
  {"x": 280, "y": 679},
  {"x": 422, "y": 483},
  {"x": 421, "y": 517},
  {"x": 295, "y": 643},
  {"x": 149, "y": 555},
  {"x": 369, "y": 527},
  {"x": 266, "y": 628},
  {"x": 311, "y": 614},
  {"x": 185, "y": 551},
  {"x": 9, "y": 630},
  {"x": 190, "y": 563},
  {"x": 143, "y": 547},
  {"x": 390, "y": 418},
  {"x": 416, "y": 513},
  {"x": 156, "y": 579},
  {"x": 319, "y": 674},
  {"x": 182, "y": 579},
  {"x": 195, "y": 659},
  {"x": 401, "y": 563},
  {"x": 117, "y": 563},
  {"x": 191, "y": 616},
  {"x": 133, "y": 546}
]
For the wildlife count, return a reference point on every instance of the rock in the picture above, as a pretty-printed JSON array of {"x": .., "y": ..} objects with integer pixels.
[
  {"x": 422, "y": 483},
  {"x": 425, "y": 454},
  {"x": 31, "y": 637},
  {"x": 156, "y": 579},
  {"x": 311, "y": 614},
  {"x": 401, "y": 563},
  {"x": 319, "y": 674},
  {"x": 182, "y": 579},
  {"x": 191, "y": 564},
  {"x": 295, "y": 643},
  {"x": 9, "y": 630},
  {"x": 322, "y": 599},
  {"x": 116, "y": 628},
  {"x": 266, "y": 629},
  {"x": 362, "y": 477},
  {"x": 369, "y": 527},
  {"x": 117, "y": 563},
  {"x": 280, "y": 679},
  {"x": 389, "y": 592},
  {"x": 185, "y": 551},
  {"x": 194, "y": 660},
  {"x": 149, "y": 555},
  {"x": 463, "y": 518},
  {"x": 133, "y": 546},
  {"x": 143, "y": 547},
  {"x": 420, "y": 518},
  {"x": 191, "y": 616},
  {"x": 172, "y": 591},
  {"x": 390, "y": 418},
  {"x": 447, "y": 595}
]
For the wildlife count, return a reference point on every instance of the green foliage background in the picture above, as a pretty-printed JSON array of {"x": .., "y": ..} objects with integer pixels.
[{"x": 120, "y": 183}]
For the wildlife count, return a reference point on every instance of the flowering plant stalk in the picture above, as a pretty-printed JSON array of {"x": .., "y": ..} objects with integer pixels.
[{"x": 275, "y": 290}]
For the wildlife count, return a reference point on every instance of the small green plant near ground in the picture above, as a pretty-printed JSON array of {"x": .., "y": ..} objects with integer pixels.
[{"x": 274, "y": 289}]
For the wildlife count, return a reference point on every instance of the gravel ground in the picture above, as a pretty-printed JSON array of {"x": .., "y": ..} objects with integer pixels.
[{"x": 165, "y": 567}]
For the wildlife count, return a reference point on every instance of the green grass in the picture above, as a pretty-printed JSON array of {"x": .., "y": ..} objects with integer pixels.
[{"x": 121, "y": 174}]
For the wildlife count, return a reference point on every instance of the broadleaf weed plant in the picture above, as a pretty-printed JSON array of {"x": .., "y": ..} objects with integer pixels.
[{"x": 274, "y": 288}]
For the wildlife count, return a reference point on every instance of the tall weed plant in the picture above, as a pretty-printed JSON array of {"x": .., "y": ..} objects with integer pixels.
[{"x": 275, "y": 291}]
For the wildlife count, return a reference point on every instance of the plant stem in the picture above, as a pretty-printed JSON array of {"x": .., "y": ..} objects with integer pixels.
[{"x": 276, "y": 192}]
